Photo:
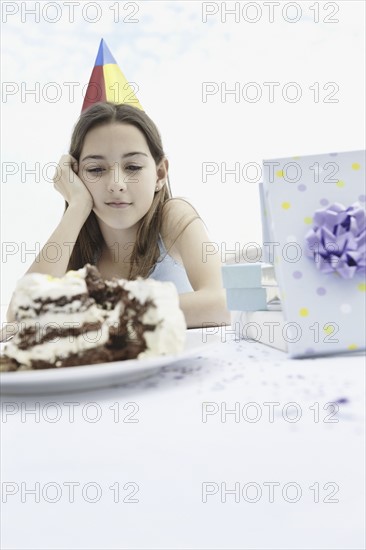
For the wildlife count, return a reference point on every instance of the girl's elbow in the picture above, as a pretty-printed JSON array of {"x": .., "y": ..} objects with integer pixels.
[
  {"x": 223, "y": 311},
  {"x": 217, "y": 307}
]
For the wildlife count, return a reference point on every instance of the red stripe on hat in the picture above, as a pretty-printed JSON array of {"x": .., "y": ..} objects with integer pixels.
[{"x": 96, "y": 88}]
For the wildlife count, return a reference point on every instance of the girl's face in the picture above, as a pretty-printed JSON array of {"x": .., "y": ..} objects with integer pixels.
[{"x": 121, "y": 175}]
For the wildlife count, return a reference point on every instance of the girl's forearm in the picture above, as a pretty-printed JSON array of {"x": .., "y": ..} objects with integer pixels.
[
  {"x": 64, "y": 238},
  {"x": 204, "y": 307}
]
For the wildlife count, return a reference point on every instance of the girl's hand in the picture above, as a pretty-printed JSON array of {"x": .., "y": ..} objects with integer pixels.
[{"x": 67, "y": 182}]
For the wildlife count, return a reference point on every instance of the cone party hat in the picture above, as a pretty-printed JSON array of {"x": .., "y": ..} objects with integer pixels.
[{"x": 107, "y": 82}]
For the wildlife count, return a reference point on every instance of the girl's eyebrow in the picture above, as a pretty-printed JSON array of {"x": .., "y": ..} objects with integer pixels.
[{"x": 100, "y": 157}]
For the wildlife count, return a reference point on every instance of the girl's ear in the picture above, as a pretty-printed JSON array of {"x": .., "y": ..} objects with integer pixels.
[{"x": 162, "y": 172}]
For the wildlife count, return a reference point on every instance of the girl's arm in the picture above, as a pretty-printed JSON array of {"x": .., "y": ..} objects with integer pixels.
[
  {"x": 64, "y": 237},
  {"x": 80, "y": 203},
  {"x": 207, "y": 304}
]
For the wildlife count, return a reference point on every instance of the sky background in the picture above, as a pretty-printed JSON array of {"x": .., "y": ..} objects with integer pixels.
[{"x": 169, "y": 51}]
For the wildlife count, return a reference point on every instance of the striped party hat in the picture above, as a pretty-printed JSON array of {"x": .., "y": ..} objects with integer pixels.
[{"x": 107, "y": 82}]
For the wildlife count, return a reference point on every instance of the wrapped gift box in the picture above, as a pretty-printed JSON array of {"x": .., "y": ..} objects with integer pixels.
[
  {"x": 250, "y": 299},
  {"x": 249, "y": 286},
  {"x": 314, "y": 212},
  {"x": 249, "y": 275},
  {"x": 267, "y": 327}
]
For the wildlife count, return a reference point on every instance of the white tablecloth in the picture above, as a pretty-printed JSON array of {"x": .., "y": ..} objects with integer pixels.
[{"x": 161, "y": 463}]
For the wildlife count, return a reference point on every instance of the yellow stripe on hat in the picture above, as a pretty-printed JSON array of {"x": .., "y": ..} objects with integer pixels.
[{"x": 117, "y": 89}]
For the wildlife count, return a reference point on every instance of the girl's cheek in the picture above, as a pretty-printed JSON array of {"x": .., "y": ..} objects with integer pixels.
[{"x": 93, "y": 187}]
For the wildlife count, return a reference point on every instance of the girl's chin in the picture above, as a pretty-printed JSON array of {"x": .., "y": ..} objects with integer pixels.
[{"x": 112, "y": 222}]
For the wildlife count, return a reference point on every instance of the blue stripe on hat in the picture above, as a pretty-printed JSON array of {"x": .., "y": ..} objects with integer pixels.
[{"x": 104, "y": 55}]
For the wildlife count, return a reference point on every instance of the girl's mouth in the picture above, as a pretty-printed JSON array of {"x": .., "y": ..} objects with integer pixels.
[{"x": 118, "y": 204}]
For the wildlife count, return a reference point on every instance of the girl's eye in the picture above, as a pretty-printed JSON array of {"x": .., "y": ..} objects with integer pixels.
[
  {"x": 133, "y": 168},
  {"x": 95, "y": 170}
]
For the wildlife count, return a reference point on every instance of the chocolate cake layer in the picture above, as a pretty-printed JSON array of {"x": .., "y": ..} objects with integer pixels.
[
  {"x": 103, "y": 354},
  {"x": 8, "y": 364},
  {"x": 33, "y": 335}
]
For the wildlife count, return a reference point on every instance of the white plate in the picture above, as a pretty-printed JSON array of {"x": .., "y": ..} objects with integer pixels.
[{"x": 94, "y": 376}]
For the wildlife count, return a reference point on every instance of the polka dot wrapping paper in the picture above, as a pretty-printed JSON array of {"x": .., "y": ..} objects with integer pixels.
[{"x": 313, "y": 213}]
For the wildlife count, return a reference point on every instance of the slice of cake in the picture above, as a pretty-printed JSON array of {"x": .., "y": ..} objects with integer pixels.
[{"x": 83, "y": 319}]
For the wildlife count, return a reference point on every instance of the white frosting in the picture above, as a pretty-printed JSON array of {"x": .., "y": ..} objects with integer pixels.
[
  {"x": 167, "y": 317},
  {"x": 65, "y": 320},
  {"x": 35, "y": 286}
]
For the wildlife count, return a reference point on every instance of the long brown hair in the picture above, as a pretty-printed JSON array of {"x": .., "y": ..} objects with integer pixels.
[{"x": 89, "y": 243}]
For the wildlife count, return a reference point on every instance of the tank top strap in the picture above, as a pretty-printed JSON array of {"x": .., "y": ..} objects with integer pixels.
[{"x": 161, "y": 246}]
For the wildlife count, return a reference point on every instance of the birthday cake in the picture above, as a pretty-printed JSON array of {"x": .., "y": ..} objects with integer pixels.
[{"x": 82, "y": 319}]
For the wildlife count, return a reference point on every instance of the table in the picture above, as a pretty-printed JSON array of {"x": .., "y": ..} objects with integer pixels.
[{"x": 237, "y": 448}]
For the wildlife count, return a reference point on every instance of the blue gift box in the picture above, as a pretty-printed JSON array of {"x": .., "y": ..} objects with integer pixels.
[
  {"x": 249, "y": 275},
  {"x": 314, "y": 210},
  {"x": 250, "y": 286},
  {"x": 250, "y": 299}
]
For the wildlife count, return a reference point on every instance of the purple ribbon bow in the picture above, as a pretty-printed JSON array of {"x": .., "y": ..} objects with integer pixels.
[{"x": 337, "y": 241}]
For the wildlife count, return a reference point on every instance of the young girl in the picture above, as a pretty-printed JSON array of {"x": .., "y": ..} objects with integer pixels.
[{"x": 120, "y": 216}]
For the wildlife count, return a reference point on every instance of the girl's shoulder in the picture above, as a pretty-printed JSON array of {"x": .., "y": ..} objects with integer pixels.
[{"x": 177, "y": 215}]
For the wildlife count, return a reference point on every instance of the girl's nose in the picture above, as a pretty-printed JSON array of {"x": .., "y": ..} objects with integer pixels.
[{"x": 117, "y": 180}]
